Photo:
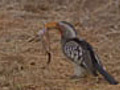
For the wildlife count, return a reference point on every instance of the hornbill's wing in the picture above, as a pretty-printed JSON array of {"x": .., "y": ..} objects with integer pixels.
[
  {"x": 84, "y": 58},
  {"x": 78, "y": 53}
]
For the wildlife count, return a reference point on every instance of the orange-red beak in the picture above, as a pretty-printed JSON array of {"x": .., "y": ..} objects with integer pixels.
[{"x": 51, "y": 25}]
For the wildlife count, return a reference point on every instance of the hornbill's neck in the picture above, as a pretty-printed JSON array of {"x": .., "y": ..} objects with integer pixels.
[{"x": 67, "y": 31}]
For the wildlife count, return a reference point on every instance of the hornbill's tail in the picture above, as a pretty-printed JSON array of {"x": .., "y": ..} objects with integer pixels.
[
  {"x": 100, "y": 68},
  {"x": 105, "y": 74}
]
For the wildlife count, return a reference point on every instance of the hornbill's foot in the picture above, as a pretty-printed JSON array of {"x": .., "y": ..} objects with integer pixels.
[{"x": 77, "y": 77}]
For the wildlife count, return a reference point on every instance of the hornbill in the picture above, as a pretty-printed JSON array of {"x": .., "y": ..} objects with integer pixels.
[{"x": 79, "y": 51}]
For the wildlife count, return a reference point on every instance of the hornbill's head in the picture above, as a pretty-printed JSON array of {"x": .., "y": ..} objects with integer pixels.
[{"x": 66, "y": 30}]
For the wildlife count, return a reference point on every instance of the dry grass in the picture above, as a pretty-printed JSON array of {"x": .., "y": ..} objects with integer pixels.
[{"x": 21, "y": 63}]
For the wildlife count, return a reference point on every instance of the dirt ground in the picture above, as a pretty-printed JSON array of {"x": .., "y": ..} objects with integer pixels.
[{"x": 21, "y": 62}]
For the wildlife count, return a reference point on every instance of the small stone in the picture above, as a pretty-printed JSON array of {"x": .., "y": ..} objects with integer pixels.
[
  {"x": 21, "y": 67},
  {"x": 32, "y": 63}
]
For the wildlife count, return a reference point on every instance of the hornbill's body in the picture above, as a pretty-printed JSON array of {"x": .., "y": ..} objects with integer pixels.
[{"x": 79, "y": 52}]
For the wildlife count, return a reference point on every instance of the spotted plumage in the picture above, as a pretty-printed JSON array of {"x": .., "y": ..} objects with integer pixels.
[{"x": 73, "y": 51}]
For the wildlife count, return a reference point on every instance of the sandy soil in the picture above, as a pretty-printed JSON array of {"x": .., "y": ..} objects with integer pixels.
[{"x": 21, "y": 62}]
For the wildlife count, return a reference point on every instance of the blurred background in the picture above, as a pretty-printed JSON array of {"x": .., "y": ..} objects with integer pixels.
[{"x": 97, "y": 21}]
